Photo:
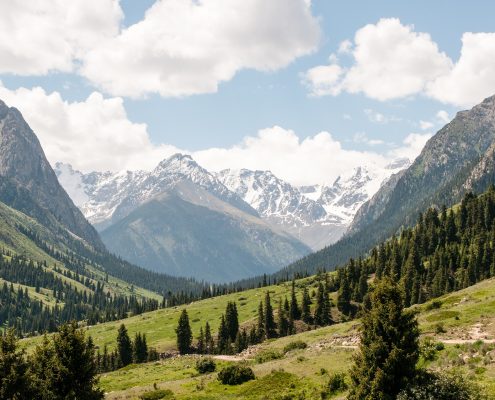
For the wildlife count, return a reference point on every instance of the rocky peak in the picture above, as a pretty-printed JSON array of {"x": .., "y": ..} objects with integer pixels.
[{"x": 23, "y": 162}]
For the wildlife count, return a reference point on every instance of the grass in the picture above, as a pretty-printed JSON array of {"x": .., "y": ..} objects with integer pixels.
[{"x": 306, "y": 371}]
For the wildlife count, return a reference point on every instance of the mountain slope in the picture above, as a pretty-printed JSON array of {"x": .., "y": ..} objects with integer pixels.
[
  {"x": 24, "y": 167},
  {"x": 317, "y": 215},
  {"x": 188, "y": 231},
  {"x": 457, "y": 159}
]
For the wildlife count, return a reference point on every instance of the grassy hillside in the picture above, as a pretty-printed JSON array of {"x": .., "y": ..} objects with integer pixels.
[{"x": 459, "y": 320}]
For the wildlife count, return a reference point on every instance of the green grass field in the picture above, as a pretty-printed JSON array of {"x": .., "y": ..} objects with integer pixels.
[{"x": 301, "y": 373}]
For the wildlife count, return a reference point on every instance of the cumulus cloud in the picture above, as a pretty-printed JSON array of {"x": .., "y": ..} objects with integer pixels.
[
  {"x": 391, "y": 60},
  {"x": 37, "y": 37},
  {"x": 473, "y": 76},
  {"x": 186, "y": 47},
  {"x": 94, "y": 134},
  {"x": 316, "y": 159}
]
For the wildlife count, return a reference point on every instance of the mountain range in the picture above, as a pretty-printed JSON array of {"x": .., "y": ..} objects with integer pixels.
[
  {"x": 459, "y": 158},
  {"x": 181, "y": 219}
]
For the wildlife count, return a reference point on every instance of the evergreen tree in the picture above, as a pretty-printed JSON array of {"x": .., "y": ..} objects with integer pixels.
[
  {"x": 13, "y": 367},
  {"x": 201, "y": 342},
  {"x": 344, "y": 296},
  {"x": 209, "y": 342},
  {"x": 260, "y": 332},
  {"x": 184, "y": 333},
  {"x": 232, "y": 320},
  {"x": 388, "y": 351},
  {"x": 65, "y": 368},
  {"x": 223, "y": 336},
  {"x": 269, "y": 323},
  {"x": 306, "y": 307},
  {"x": 295, "y": 312},
  {"x": 283, "y": 323},
  {"x": 140, "y": 348},
  {"x": 124, "y": 346}
]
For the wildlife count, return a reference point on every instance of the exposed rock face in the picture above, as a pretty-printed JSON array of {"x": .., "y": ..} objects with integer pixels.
[{"x": 23, "y": 163}]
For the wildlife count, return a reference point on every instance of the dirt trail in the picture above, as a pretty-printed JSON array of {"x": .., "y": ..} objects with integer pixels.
[{"x": 475, "y": 333}]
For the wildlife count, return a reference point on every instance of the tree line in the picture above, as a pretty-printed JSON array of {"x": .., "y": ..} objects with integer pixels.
[{"x": 231, "y": 338}]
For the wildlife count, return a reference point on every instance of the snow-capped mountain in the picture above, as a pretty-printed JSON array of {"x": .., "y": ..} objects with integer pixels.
[
  {"x": 105, "y": 197},
  {"x": 318, "y": 215}
]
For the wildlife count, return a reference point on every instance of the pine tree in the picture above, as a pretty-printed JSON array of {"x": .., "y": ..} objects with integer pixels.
[
  {"x": 269, "y": 323},
  {"x": 13, "y": 367},
  {"x": 295, "y": 312},
  {"x": 283, "y": 323},
  {"x": 209, "y": 342},
  {"x": 72, "y": 370},
  {"x": 306, "y": 307},
  {"x": 124, "y": 346},
  {"x": 184, "y": 333},
  {"x": 232, "y": 320},
  {"x": 260, "y": 332},
  {"x": 223, "y": 337},
  {"x": 388, "y": 351},
  {"x": 201, "y": 342},
  {"x": 344, "y": 296},
  {"x": 140, "y": 348}
]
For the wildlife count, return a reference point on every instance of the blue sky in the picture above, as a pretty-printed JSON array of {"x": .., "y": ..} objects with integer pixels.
[{"x": 361, "y": 119}]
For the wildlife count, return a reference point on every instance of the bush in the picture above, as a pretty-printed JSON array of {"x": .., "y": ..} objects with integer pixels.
[
  {"x": 205, "y": 365},
  {"x": 297, "y": 345},
  {"x": 336, "y": 383},
  {"x": 268, "y": 355},
  {"x": 428, "y": 349},
  {"x": 157, "y": 395},
  {"x": 437, "y": 386},
  {"x": 235, "y": 375},
  {"x": 434, "y": 305},
  {"x": 439, "y": 328}
]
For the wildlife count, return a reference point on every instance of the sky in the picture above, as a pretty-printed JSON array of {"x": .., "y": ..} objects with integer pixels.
[{"x": 309, "y": 89}]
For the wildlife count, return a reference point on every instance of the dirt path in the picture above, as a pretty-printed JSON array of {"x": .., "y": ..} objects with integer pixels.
[{"x": 475, "y": 333}]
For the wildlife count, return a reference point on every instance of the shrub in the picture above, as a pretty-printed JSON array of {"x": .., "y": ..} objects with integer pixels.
[
  {"x": 336, "y": 383},
  {"x": 205, "y": 365},
  {"x": 157, "y": 395},
  {"x": 439, "y": 328},
  {"x": 235, "y": 375},
  {"x": 297, "y": 345},
  {"x": 429, "y": 348},
  {"x": 437, "y": 386},
  {"x": 434, "y": 305},
  {"x": 268, "y": 355}
]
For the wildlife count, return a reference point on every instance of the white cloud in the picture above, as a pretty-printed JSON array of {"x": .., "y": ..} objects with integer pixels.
[
  {"x": 94, "y": 134},
  {"x": 443, "y": 116},
  {"x": 322, "y": 80},
  {"x": 37, "y": 37},
  {"x": 473, "y": 76},
  {"x": 186, "y": 47},
  {"x": 391, "y": 60},
  {"x": 345, "y": 46},
  {"x": 411, "y": 146},
  {"x": 425, "y": 125}
]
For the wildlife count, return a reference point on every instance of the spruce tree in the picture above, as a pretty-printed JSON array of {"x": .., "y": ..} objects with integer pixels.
[
  {"x": 140, "y": 348},
  {"x": 232, "y": 320},
  {"x": 295, "y": 312},
  {"x": 388, "y": 351},
  {"x": 306, "y": 307},
  {"x": 283, "y": 323},
  {"x": 269, "y": 323},
  {"x": 13, "y": 367},
  {"x": 344, "y": 296},
  {"x": 223, "y": 336},
  {"x": 65, "y": 368},
  {"x": 124, "y": 346},
  {"x": 209, "y": 342},
  {"x": 260, "y": 332},
  {"x": 201, "y": 342},
  {"x": 184, "y": 333}
]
